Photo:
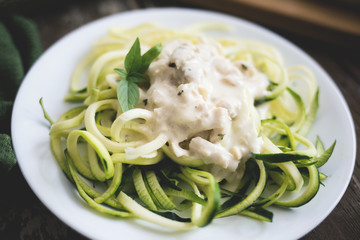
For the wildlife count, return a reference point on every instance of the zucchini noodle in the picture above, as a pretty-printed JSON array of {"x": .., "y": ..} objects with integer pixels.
[{"x": 125, "y": 164}]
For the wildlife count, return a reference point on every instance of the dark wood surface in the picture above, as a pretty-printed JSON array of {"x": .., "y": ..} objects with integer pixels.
[
  {"x": 23, "y": 216},
  {"x": 316, "y": 18}
]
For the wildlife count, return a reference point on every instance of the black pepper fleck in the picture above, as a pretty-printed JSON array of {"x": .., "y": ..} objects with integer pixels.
[
  {"x": 145, "y": 101},
  {"x": 180, "y": 92},
  {"x": 172, "y": 65},
  {"x": 244, "y": 67}
]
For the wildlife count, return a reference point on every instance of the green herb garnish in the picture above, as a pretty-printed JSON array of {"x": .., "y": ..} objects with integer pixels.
[
  {"x": 134, "y": 72},
  {"x": 221, "y": 136}
]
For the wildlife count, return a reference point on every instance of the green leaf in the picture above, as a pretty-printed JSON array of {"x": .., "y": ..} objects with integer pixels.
[
  {"x": 133, "y": 58},
  {"x": 121, "y": 72},
  {"x": 150, "y": 56},
  {"x": 128, "y": 95},
  {"x": 134, "y": 72},
  {"x": 136, "y": 77}
]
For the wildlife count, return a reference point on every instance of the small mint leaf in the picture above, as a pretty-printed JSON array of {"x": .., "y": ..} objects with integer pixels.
[
  {"x": 136, "y": 77},
  {"x": 149, "y": 56},
  {"x": 121, "y": 72},
  {"x": 127, "y": 94},
  {"x": 133, "y": 58},
  {"x": 134, "y": 72}
]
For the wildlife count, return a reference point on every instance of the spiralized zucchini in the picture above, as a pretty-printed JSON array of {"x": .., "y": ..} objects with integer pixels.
[{"x": 120, "y": 170}]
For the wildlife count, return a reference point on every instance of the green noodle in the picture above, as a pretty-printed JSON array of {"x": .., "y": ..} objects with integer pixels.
[{"x": 104, "y": 145}]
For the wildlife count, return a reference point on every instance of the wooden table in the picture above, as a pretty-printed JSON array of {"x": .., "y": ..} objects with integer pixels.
[{"x": 23, "y": 216}]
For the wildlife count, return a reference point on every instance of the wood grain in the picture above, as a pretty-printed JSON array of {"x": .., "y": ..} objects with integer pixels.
[
  {"x": 23, "y": 216},
  {"x": 319, "y": 20},
  {"x": 315, "y": 12}
]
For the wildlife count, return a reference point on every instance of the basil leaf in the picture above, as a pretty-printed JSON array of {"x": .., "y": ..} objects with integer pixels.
[
  {"x": 136, "y": 77},
  {"x": 133, "y": 58},
  {"x": 127, "y": 94},
  {"x": 121, "y": 72},
  {"x": 149, "y": 56},
  {"x": 134, "y": 72}
]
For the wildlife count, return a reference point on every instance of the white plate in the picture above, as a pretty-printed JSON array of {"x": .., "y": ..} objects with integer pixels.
[{"x": 49, "y": 78}]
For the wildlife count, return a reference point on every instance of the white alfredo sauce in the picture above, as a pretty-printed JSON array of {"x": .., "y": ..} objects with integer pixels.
[{"x": 203, "y": 103}]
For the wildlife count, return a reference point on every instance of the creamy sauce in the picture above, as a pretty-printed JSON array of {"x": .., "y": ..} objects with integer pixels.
[{"x": 203, "y": 103}]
